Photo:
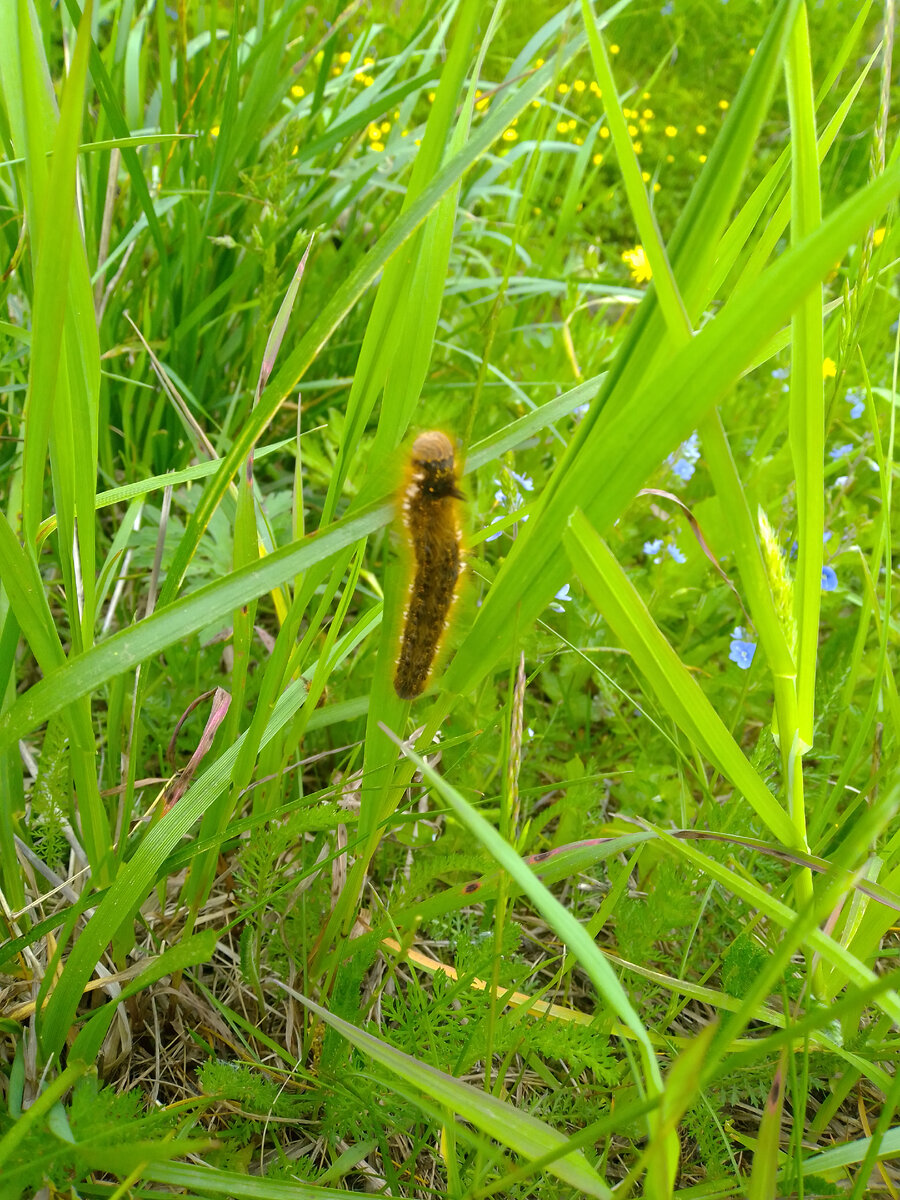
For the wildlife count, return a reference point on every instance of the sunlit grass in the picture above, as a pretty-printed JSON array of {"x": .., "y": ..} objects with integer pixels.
[{"x": 620, "y": 910}]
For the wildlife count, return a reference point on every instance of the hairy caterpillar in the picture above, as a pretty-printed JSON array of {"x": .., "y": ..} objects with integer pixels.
[{"x": 432, "y": 527}]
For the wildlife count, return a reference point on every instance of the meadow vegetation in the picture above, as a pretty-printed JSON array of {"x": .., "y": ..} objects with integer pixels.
[{"x": 612, "y": 908}]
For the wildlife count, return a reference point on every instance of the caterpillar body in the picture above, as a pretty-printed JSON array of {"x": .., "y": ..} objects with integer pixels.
[{"x": 429, "y": 509}]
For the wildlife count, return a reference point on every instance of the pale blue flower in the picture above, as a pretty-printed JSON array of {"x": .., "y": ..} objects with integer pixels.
[
  {"x": 857, "y": 402},
  {"x": 526, "y": 484},
  {"x": 653, "y": 547},
  {"x": 562, "y": 597},
  {"x": 742, "y": 652},
  {"x": 675, "y": 553},
  {"x": 829, "y": 579},
  {"x": 841, "y": 451},
  {"x": 683, "y": 469}
]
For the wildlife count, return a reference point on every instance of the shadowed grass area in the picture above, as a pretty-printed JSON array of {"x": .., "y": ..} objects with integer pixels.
[{"x": 611, "y": 908}]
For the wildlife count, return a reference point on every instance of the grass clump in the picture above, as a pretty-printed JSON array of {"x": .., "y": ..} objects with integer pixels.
[{"x": 611, "y": 906}]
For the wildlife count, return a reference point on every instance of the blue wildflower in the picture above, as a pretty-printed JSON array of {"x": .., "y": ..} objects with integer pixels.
[
  {"x": 683, "y": 469},
  {"x": 562, "y": 597},
  {"x": 526, "y": 484},
  {"x": 675, "y": 553},
  {"x": 741, "y": 651},
  {"x": 667, "y": 8},
  {"x": 781, "y": 373},
  {"x": 829, "y": 579},
  {"x": 857, "y": 402},
  {"x": 653, "y": 547},
  {"x": 842, "y": 451}
]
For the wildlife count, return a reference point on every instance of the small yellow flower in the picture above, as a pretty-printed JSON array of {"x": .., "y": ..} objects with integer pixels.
[
  {"x": 214, "y": 130},
  {"x": 578, "y": 141},
  {"x": 509, "y": 135},
  {"x": 646, "y": 96},
  {"x": 535, "y": 104},
  {"x": 368, "y": 62},
  {"x": 701, "y": 129},
  {"x": 670, "y": 158},
  {"x": 645, "y": 175},
  {"x": 632, "y": 130},
  {"x": 374, "y": 133},
  {"x": 404, "y": 133},
  {"x": 723, "y": 104},
  {"x": 595, "y": 88},
  {"x": 376, "y": 146},
  {"x": 294, "y": 150},
  {"x": 482, "y": 104},
  {"x": 626, "y": 112},
  {"x": 656, "y": 187},
  {"x": 670, "y": 131},
  {"x": 638, "y": 264},
  {"x": 562, "y": 88},
  {"x": 614, "y": 49},
  {"x": 701, "y": 158},
  {"x": 297, "y": 91},
  {"x": 579, "y": 85},
  {"x": 359, "y": 77},
  {"x": 752, "y": 51},
  {"x": 597, "y": 160},
  {"x": 604, "y": 132},
  {"x": 562, "y": 127},
  {"x": 638, "y": 147},
  {"x": 335, "y": 70},
  {"x": 537, "y": 210},
  {"x": 878, "y": 236},
  {"x": 647, "y": 114},
  {"x": 539, "y": 62},
  {"x": 344, "y": 56},
  {"x": 431, "y": 97},
  {"x": 385, "y": 127},
  {"x": 368, "y": 80},
  {"x": 829, "y": 368}
]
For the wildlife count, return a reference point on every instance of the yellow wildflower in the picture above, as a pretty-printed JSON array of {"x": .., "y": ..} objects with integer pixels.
[
  {"x": 297, "y": 91},
  {"x": 723, "y": 104},
  {"x": 670, "y": 131},
  {"x": 509, "y": 135},
  {"x": 638, "y": 265},
  {"x": 829, "y": 368},
  {"x": 562, "y": 88},
  {"x": 701, "y": 129},
  {"x": 878, "y": 236},
  {"x": 604, "y": 132},
  {"x": 579, "y": 85},
  {"x": 614, "y": 49}
]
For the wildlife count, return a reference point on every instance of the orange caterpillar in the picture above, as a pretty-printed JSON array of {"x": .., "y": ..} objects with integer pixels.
[{"x": 432, "y": 526}]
